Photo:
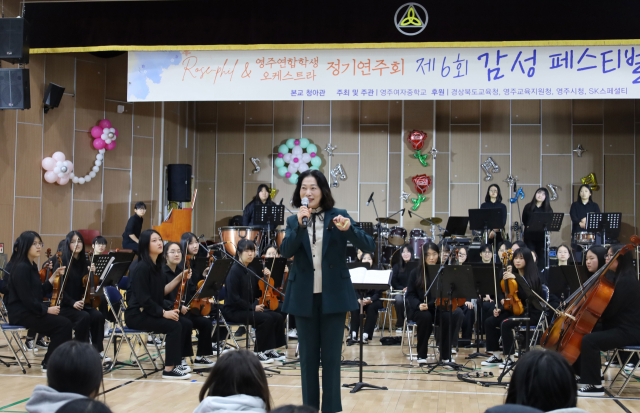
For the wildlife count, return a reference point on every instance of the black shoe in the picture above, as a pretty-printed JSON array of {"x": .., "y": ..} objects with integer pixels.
[
  {"x": 29, "y": 343},
  {"x": 175, "y": 374},
  {"x": 41, "y": 344},
  {"x": 591, "y": 390},
  {"x": 241, "y": 331},
  {"x": 43, "y": 366}
]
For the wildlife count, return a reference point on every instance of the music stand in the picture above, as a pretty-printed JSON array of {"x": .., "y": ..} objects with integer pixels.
[
  {"x": 484, "y": 220},
  {"x": 366, "y": 227},
  {"x": 270, "y": 215},
  {"x": 276, "y": 266},
  {"x": 546, "y": 222},
  {"x": 483, "y": 280},
  {"x": 364, "y": 280},
  {"x": 456, "y": 226},
  {"x": 604, "y": 222}
]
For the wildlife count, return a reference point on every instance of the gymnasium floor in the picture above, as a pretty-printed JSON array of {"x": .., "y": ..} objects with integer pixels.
[{"x": 410, "y": 388}]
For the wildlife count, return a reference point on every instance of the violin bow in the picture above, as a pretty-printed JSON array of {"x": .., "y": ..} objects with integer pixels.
[
  {"x": 64, "y": 282},
  {"x": 495, "y": 282},
  {"x": 424, "y": 273}
]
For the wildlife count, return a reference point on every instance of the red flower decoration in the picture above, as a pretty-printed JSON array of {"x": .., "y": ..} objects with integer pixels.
[
  {"x": 416, "y": 139},
  {"x": 422, "y": 183}
]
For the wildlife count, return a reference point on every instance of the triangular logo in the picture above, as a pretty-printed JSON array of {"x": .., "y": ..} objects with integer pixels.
[
  {"x": 411, "y": 18},
  {"x": 414, "y": 19}
]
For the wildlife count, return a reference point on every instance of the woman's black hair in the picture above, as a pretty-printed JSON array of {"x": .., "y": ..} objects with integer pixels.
[
  {"x": 67, "y": 250},
  {"x": 274, "y": 247},
  {"x": 530, "y": 268},
  {"x": 185, "y": 240},
  {"x": 327, "y": 202},
  {"x": 485, "y": 247},
  {"x": 507, "y": 244},
  {"x": 546, "y": 207},
  {"x": 100, "y": 240},
  {"x": 370, "y": 254},
  {"x": 244, "y": 245},
  {"x": 83, "y": 406},
  {"x": 237, "y": 372},
  {"x": 625, "y": 262},
  {"x": 22, "y": 246},
  {"x": 143, "y": 250},
  {"x": 256, "y": 198},
  {"x": 543, "y": 380},
  {"x": 487, "y": 198},
  {"x": 409, "y": 248},
  {"x": 75, "y": 367},
  {"x": 292, "y": 408},
  {"x": 429, "y": 246},
  {"x": 600, "y": 252},
  {"x": 590, "y": 193},
  {"x": 520, "y": 244},
  {"x": 140, "y": 205},
  {"x": 165, "y": 251},
  {"x": 466, "y": 250}
]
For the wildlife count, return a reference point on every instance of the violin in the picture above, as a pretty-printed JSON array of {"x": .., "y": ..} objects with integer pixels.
[
  {"x": 197, "y": 305},
  {"x": 269, "y": 297},
  {"x": 584, "y": 308},
  {"x": 57, "y": 293},
  {"x": 89, "y": 282},
  {"x": 182, "y": 290},
  {"x": 45, "y": 273},
  {"x": 510, "y": 289}
]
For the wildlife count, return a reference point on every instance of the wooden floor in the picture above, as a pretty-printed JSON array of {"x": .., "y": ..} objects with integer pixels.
[{"x": 411, "y": 389}]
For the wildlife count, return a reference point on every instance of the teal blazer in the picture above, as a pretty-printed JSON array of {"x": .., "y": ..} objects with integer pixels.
[{"x": 338, "y": 295}]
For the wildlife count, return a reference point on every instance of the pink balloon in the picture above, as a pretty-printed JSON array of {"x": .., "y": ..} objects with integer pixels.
[
  {"x": 48, "y": 163},
  {"x": 296, "y": 160},
  {"x": 313, "y": 154},
  {"x": 296, "y": 142},
  {"x": 288, "y": 174},
  {"x": 63, "y": 181},
  {"x": 110, "y": 146},
  {"x": 58, "y": 156},
  {"x": 99, "y": 144},
  {"x": 280, "y": 155},
  {"x": 116, "y": 132},
  {"x": 104, "y": 123},
  {"x": 50, "y": 177},
  {"x": 96, "y": 131}
]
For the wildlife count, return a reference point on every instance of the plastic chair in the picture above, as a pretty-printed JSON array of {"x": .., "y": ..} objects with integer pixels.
[{"x": 11, "y": 333}]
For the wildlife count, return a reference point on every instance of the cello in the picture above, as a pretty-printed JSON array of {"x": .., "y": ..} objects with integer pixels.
[
  {"x": 584, "y": 308},
  {"x": 90, "y": 281},
  {"x": 510, "y": 289},
  {"x": 197, "y": 305}
]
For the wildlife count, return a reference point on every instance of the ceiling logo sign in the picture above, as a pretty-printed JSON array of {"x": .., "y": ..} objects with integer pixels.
[{"x": 411, "y": 19}]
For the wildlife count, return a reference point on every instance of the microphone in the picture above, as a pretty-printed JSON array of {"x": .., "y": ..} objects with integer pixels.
[
  {"x": 281, "y": 201},
  {"x": 409, "y": 211},
  {"x": 201, "y": 236},
  {"x": 305, "y": 203},
  {"x": 402, "y": 211},
  {"x": 370, "y": 198}
]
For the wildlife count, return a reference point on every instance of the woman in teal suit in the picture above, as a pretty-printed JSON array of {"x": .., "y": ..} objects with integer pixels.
[{"x": 319, "y": 290}]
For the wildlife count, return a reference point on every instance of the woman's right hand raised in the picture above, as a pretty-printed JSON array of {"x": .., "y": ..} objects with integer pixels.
[
  {"x": 60, "y": 271},
  {"x": 187, "y": 273},
  {"x": 171, "y": 315},
  {"x": 53, "y": 310},
  {"x": 303, "y": 212}
]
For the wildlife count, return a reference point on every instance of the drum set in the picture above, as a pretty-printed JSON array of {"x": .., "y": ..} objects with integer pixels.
[
  {"x": 232, "y": 235},
  {"x": 392, "y": 238}
]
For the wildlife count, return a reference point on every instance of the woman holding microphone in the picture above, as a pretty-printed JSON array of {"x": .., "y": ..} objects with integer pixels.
[{"x": 319, "y": 290}]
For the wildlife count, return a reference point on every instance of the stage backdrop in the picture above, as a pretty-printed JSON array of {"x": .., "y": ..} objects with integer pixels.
[{"x": 531, "y": 139}]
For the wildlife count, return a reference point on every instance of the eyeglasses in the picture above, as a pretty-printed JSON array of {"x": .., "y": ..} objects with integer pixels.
[
  {"x": 174, "y": 252},
  {"x": 38, "y": 244}
]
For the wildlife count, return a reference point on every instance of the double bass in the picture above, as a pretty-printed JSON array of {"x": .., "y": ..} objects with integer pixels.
[
  {"x": 510, "y": 289},
  {"x": 584, "y": 308}
]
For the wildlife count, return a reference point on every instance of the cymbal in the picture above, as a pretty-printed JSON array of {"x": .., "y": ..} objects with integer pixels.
[
  {"x": 431, "y": 221},
  {"x": 387, "y": 220}
]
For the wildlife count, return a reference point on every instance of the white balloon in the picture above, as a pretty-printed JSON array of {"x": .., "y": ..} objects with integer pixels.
[
  {"x": 112, "y": 130},
  {"x": 96, "y": 169},
  {"x": 75, "y": 179},
  {"x": 99, "y": 156},
  {"x": 60, "y": 175},
  {"x": 287, "y": 157},
  {"x": 105, "y": 130},
  {"x": 98, "y": 163},
  {"x": 65, "y": 163},
  {"x": 102, "y": 151},
  {"x": 297, "y": 151},
  {"x": 81, "y": 181},
  {"x": 107, "y": 141},
  {"x": 72, "y": 175},
  {"x": 306, "y": 158},
  {"x": 104, "y": 137},
  {"x": 292, "y": 168},
  {"x": 92, "y": 174},
  {"x": 56, "y": 170},
  {"x": 58, "y": 164},
  {"x": 87, "y": 178},
  {"x": 303, "y": 167}
]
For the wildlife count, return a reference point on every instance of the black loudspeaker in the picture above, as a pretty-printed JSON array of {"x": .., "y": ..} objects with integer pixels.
[
  {"x": 52, "y": 96},
  {"x": 14, "y": 40},
  {"x": 14, "y": 89},
  {"x": 179, "y": 183}
]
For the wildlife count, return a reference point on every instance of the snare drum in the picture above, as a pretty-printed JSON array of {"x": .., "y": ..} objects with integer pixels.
[
  {"x": 235, "y": 234},
  {"x": 397, "y": 236},
  {"x": 417, "y": 243},
  {"x": 584, "y": 238},
  {"x": 280, "y": 236}
]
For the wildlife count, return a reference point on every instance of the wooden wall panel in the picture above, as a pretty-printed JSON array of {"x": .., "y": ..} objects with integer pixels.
[
  {"x": 465, "y": 148},
  {"x": 83, "y": 161},
  {"x": 618, "y": 126},
  {"x": 525, "y": 158},
  {"x": 587, "y": 112},
  {"x": 495, "y": 127},
  {"x": 465, "y": 112},
  {"x": 143, "y": 119},
  {"x": 259, "y": 145},
  {"x": 87, "y": 215},
  {"x": 316, "y": 112},
  {"x": 60, "y": 69},
  {"x": 556, "y": 126},
  {"x": 627, "y": 228},
  {"x": 395, "y": 182},
  {"x": 441, "y": 182},
  {"x": 556, "y": 169},
  {"x": 120, "y": 157},
  {"x": 58, "y": 129},
  {"x": 229, "y": 181},
  {"x": 170, "y": 151},
  {"x": 29, "y": 172},
  {"x": 284, "y": 190},
  {"x": 345, "y": 126},
  {"x": 56, "y": 209},
  {"x": 36, "y": 86},
  {"x": 346, "y": 194},
  {"x": 141, "y": 171},
  {"x": 114, "y": 243},
  {"x": 590, "y": 136},
  {"x": 26, "y": 218},
  {"x": 185, "y": 145},
  {"x": 117, "y": 77},
  {"x": 463, "y": 198},
  {"x": 525, "y": 112},
  {"x": 442, "y": 125},
  {"x": 8, "y": 132},
  {"x": 90, "y": 84},
  {"x": 319, "y": 136},
  {"x": 231, "y": 127},
  {"x": 395, "y": 126},
  {"x": 374, "y": 112},
  {"x": 158, "y": 167},
  {"x": 115, "y": 213},
  {"x": 206, "y": 153},
  {"x": 380, "y": 196},
  {"x": 6, "y": 225},
  {"x": 206, "y": 112},
  {"x": 616, "y": 187},
  {"x": 259, "y": 113},
  {"x": 204, "y": 214},
  {"x": 498, "y": 178},
  {"x": 287, "y": 120},
  {"x": 373, "y": 163}
]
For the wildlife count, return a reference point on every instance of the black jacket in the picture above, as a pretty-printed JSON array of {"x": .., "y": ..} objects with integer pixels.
[
  {"x": 147, "y": 290},
  {"x": 169, "y": 275},
  {"x": 497, "y": 205},
  {"x": 26, "y": 292},
  {"x": 578, "y": 211},
  {"x": 73, "y": 289},
  {"x": 134, "y": 227},
  {"x": 399, "y": 277},
  {"x": 623, "y": 311},
  {"x": 415, "y": 295},
  {"x": 247, "y": 215},
  {"x": 240, "y": 290}
]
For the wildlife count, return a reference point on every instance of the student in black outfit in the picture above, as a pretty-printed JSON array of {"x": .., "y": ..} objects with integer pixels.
[
  {"x": 24, "y": 300},
  {"x": 99, "y": 246},
  {"x": 399, "y": 281},
  {"x": 499, "y": 324},
  {"x": 493, "y": 199},
  {"x": 580, "y": 209},
  {"x": 145, "y": 302},
  {"x": 85, "y": 319},
  {"x": 421, "y": 309},
  {"x": 503, "y": 247},
  {"x": 564, "y": 254},
  {"x": 595, "y": 259},
  {"x": 131, "y": 235},
  {"x": 620, "y": 324},
  {"x": 464, "y": 323},
  {"x": 240, "y": 307},
  {"x": 535, "y": 239},
  {"x": 372, "y": 303},
  {"x": 173, "y": 256},
  {"x": 262, "y": 198},
  {"x": 488, "y": 301}
]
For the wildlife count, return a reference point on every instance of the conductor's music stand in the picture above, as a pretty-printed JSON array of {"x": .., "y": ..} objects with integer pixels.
[
  {"x": 484, "y": 220},
  {"x": 456, "y": 226},
  {"x": 270, "y": 215},
  {"x": 604, "y": 222},
  {"x": 367, "y": 227}
]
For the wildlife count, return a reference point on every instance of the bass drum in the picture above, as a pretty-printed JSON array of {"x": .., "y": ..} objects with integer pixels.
[
  {"x": 234, "y": 234},
  {"x": 388, "y": 253},
  {"x": 397, "y": 236},
  {"x": 280, "y": 236},
  {"x": 417, "y": 243}
]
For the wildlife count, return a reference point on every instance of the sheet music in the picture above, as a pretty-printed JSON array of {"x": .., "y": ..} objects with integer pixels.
[{"x": 361, "y": 275}]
